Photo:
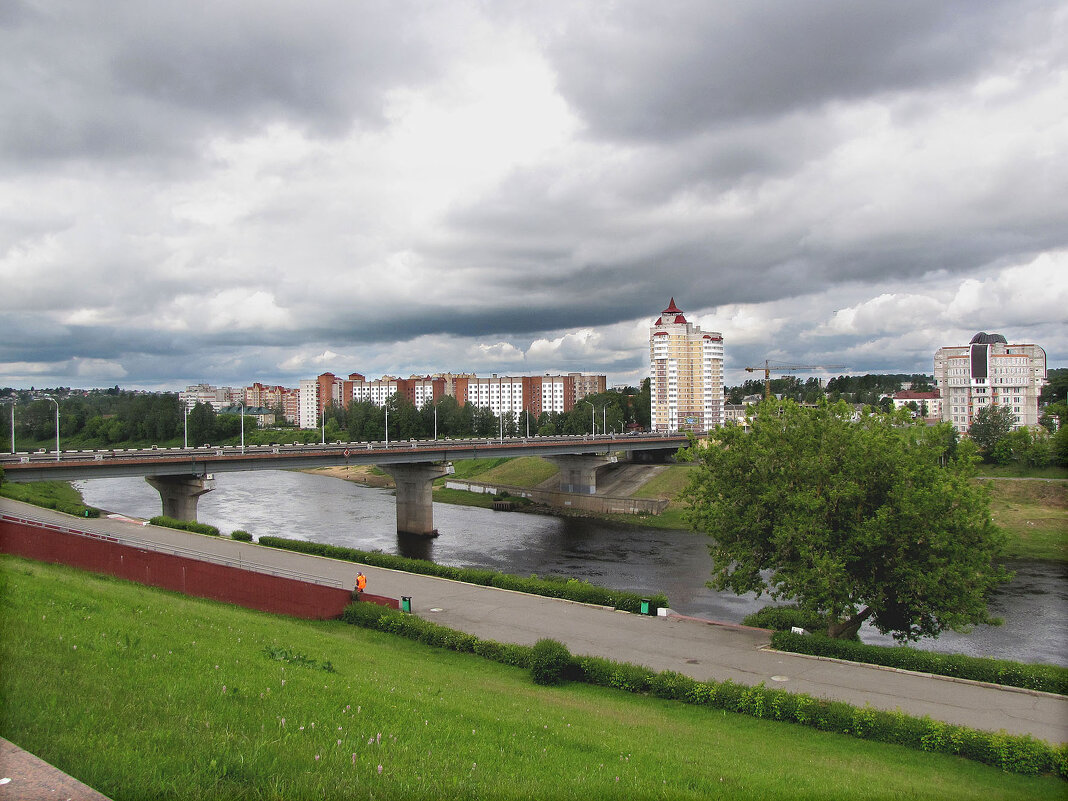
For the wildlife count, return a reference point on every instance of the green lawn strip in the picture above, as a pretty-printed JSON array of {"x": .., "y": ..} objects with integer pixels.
[
  {"x": 1035, "y": 515},
  {"x": 58, "y": 495},
  {"x": 483, "y": 500},
  {"x": 470, "y": 468},
  {"x": 524, "y": 471},
  {"x": 548, "y": 586},
  {"x": 172, "y": 697},
  {"x": 1047, "y": 678},
  {"x": 666, "y": 484}
]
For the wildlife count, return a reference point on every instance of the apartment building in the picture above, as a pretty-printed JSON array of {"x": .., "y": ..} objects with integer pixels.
[
  {"x": 217, "y": 397},
  {"x": 988, "y": 370},
  {"x": 686, "y": 374},
  {"x": 500, "y": 393}
]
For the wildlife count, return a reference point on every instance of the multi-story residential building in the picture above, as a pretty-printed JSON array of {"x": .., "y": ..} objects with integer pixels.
[
  {"x": 501, "y": 394},
  {"x": 259, "y": 396},
  {"x": 986, "y": 371},
  {"x": 686, "y": 366},
  {"x": 218, "y": 397},
  {"x": 931, "y": 402}
]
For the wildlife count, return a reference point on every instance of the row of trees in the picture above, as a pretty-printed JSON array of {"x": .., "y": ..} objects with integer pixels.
[
  {"x": 110, "y": 418},
  {"x": 869, "y": 389},
  {"x": 611, "y": 411}
]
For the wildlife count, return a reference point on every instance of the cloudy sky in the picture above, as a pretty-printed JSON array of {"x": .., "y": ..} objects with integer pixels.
[{"x": 239, "y": 191}]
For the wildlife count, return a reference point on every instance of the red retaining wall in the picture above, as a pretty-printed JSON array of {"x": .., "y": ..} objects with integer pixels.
[{"x": 190, "y": 576}]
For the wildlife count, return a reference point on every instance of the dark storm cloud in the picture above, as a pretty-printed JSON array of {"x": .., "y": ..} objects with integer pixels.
[
  {"x": 126, "y": 78},
  {"x": 669, "y": 70}
]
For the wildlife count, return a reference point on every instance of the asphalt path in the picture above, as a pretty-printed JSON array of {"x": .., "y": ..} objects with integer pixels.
[{"x": 695, "y": 648}]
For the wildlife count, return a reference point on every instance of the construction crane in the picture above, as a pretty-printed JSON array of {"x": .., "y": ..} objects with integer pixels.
[{"x": 787, "y": 368}]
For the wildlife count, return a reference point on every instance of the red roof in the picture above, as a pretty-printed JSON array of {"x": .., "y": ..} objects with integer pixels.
[
  {"x": 659, "y": 321},
  {"x": 672, "y": 309},
  {"x": 679, "y": 318},
  {"x": 912, "y": 394}
]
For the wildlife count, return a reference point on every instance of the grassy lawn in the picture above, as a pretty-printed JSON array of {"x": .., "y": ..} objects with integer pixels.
[
  {"x": 37, "y": 491},
  {"x": 147, "y": 694},
  {"x": 666, "y": 484},
  {"x": 525, "y": 471},
  {"x": 1035, "y": 514}
]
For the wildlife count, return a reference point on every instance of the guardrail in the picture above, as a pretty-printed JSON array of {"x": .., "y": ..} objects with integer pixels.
[{"x": 175, "y": 550}]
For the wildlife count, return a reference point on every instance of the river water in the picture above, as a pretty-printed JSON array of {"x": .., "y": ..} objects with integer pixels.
[{"x": 1034, "y": 605}]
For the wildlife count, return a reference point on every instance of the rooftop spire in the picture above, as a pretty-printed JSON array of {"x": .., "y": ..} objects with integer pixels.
[{"x": 672, "y": 308}]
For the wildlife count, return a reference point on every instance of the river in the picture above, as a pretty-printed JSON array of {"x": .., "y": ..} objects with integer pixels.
[{"x": 1034, "y": 605}]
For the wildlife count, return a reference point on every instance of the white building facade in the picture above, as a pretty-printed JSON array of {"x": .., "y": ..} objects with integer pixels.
[
  {"x": 989, "y": 371},
  {"x": 686, "y": 374}
]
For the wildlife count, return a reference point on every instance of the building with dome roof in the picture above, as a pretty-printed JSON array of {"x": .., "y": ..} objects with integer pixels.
[
  {"x": 986, "y": 371},
  {"x": 686, "y": 381}
]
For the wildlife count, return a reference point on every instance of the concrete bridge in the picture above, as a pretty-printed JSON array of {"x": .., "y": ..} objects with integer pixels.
[{"x": 182, "y": 475}]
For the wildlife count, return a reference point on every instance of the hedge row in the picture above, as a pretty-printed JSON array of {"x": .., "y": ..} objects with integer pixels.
[
  {"x": 1013, "y": 753},
  {"x": 1047, "y": 678},
  {"x": 76, "y": 509},
  {"x": 571, "y": 589},
  {"x": 184, "y": 525}
]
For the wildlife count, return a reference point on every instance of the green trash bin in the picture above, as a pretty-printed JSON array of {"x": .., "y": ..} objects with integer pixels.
[
  {"x": 645, "y": 606},
  {"x": 406, "y": 603}
]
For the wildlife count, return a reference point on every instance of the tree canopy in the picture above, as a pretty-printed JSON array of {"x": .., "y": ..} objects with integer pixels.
[
  {"x": 990, "y": 426},
  {"x": 868, "y": 517}
]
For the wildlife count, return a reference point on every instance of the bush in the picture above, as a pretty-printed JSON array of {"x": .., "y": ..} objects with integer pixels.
[
  {"x": 552, "y": 587},
  {"x": 783, "y": 618},
  {"x": 241, "y": 535},
  {"x": 1046, "y": 678},
  {"x": 185, "y": 525},
  {"x": 549, "y": 660}
]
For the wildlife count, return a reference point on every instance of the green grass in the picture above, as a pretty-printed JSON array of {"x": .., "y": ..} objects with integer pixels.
[
  {"x": 143, "y": 693},
  {"x": 469, "y": 468},
  {"x": 524, "y": 471},
  {"x": 1035, "y": 515},
  {"x": 666, "y": 484},
  {"x": 50, "y": 494},
  {"x": 463, "y": 497},
  {"x": 1019, "y": 471}
]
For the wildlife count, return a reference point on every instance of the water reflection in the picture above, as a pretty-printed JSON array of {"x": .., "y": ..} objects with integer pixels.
[{"x": 303, "y": 506}]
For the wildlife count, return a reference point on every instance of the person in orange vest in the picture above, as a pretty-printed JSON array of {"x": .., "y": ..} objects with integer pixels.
[{"x": 361, "y": 585}]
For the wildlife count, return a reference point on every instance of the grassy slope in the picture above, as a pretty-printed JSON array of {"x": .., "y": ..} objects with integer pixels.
[
  {"x": 144, "y": 693},
  {"x": 1035, "y": 514}
]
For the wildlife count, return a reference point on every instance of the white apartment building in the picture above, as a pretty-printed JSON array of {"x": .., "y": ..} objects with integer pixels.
[
  {"x": 989, "y": 371},
  {"x": 686, "y": 374},
  {"x": 217, "y": 397}
]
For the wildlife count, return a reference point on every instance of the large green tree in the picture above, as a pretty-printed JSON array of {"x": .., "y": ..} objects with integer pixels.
[
  {"x": 856, "y": 518},
  {"x": 990, "y": 426}
]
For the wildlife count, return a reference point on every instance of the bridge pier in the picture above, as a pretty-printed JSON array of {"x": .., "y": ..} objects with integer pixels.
[
  {"x": 180, "y": 494},
  {"x": 578, "y": 472},
  {"x": 415, "y": 490}
]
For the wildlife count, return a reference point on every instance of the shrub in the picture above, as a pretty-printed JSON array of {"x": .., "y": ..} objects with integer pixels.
[
  {"x": 571, "y": 589},
  {"x": 783, "y": 618},
  {"x": 241, "y": 535},
  {"x": 1047, "y": 678},
  {"x": 549, "y": 660},
  {"x": 185, "y": 525}
]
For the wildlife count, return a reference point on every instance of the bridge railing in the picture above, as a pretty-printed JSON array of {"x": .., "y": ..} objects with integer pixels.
[{"x": 175, "y": 550}]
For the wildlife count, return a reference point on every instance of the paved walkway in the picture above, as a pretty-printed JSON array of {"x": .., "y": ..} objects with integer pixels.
[
  {"x": 695, "y": 648},
  {"x": 24, "y": 777}
]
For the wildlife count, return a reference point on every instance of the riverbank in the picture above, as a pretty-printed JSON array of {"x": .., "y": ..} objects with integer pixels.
[{"x": 1033, "y": 511}]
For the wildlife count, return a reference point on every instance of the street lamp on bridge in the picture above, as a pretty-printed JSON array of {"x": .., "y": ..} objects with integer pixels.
[
  {"x": 49, "y": 397},
  {"x": 12, "y": 404}
]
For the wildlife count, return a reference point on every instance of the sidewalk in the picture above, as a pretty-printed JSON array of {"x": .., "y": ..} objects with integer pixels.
[
  {"x": 24, "y": 777},
  {"x": 695, "y": 648}
]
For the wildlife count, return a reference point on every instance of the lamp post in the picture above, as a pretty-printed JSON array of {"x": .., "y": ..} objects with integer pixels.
[
  {"x": 185, "y": 437},
  {"x": 593, "y": 416},
  {"x": 386, "y": 407},
  {"x": 323, "y": 413},
  {"x": 435, "y": 422},
  {"x": 49, "y": 397},
  {"x": 12, "y": 404},
  {"x": 242, "y": 407}
]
